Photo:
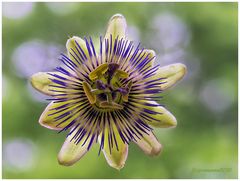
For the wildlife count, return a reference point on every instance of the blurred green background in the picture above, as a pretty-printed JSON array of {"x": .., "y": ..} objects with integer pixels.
[{"x": 201, "y": 35}]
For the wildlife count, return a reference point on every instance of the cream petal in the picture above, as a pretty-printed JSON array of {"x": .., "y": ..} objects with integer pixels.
[
  {"x": 71, "y": 152},
  {"x": 172, "y": 74},
  {"x": 118, "y": 155},
  {"x": 149, "y": 144},
  {"x": 48, "y": 121},
  {"x": 72, "y": 45},
  {"x": 117, "y": 26},
  {"x": 81, "y": 54},
  {"x": 47, "y": 117},
  {"x": 117, "y": 158},
  {"x": 160, "y": 118},
  {"x": 164, "y": 119},
  {"x": 40, "y": 81},
  {"x": 152, "y": 55}
]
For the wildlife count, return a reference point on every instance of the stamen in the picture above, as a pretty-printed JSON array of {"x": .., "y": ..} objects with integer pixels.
[
  {"x": 87, "y": 89},
  {"x": 122, "y": 74},
  {"x": 98, "y": 72}
]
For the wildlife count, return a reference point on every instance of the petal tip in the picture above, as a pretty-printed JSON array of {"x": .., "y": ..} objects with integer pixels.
[
  {"x": 40, "y": 82},
  {"x": 48, "y": 121},
  {"x": 181, "y": 70},
  {"x": 47, "y": 125},
  {"x": 117, "y": 26},
  {"x": 34, "y": 80},
  {"x": 63, "y": 161},
  {"x": 172, "y": 74},
  {"x": 184, "y": 68},
  {"x": 64, "y": 156},
  {"x": 152, "y": 52},
  {"x": 116, "y": 16},
  {"x": 172, "y": 122},
  {"x": 156, "y": 150},
  {"x": 165, "y": 119},
  {"x": 118, "y": 158},
  {"x": 118, "y": 167},
  {"x": 71, "y": 42},
  {"x": 71, "y": 152}
]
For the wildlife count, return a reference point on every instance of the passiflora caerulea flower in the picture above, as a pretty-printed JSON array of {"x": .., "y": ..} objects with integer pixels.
[{"x": 107, "y": 96}]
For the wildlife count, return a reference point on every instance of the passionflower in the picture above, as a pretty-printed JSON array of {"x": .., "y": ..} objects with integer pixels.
[{"x": 107, "y": 96}]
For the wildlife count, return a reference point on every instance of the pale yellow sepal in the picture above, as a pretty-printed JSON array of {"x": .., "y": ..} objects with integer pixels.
[
  {"x": 47, "y": 118},
  {"x": 151, "y": 55},
  {"x": 41, "y": 82},
  {"x": 149, "y": 144},
  {"x": 164, "y": 119},
  {"x": 172, "y": 74},
  {"x": 117, "y": 26},
  {"x": 71, "y": 152},
  {"x": 117, "y": 157},
  {"x": 72, "y": 45}
]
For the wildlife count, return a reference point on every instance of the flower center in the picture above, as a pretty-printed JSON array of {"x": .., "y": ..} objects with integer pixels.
[{"x": 106, "y": 91}]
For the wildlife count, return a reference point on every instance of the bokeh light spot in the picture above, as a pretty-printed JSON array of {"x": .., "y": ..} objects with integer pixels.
[
  {"x": 35, "y": 56},
  {"x": 169, "y": 37},
  {"x": 17, "y": 10},
  {"x": 62, "y": 8},
  {"x": 170, "y": 30},
  {"x": 19, "y": 155},
  {"x": 217, "y": 95}
]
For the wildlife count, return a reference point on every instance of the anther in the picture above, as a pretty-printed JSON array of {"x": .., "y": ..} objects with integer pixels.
[
  {"x": 98, "y": 72},
  {"x": 91, "y": 96},
  {"x": 122, "y": 74}
]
